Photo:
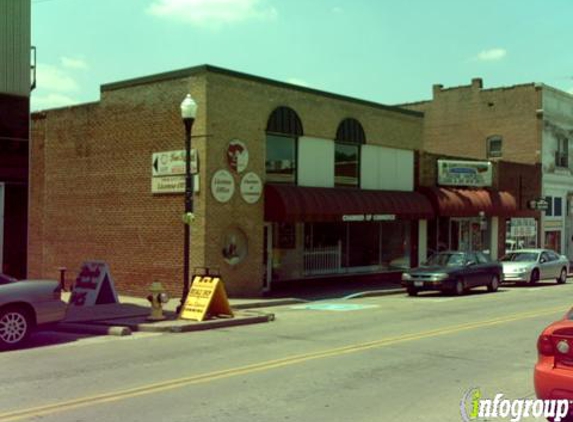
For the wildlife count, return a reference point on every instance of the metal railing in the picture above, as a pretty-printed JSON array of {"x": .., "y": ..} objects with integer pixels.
[{"x": 325, "y": 260}]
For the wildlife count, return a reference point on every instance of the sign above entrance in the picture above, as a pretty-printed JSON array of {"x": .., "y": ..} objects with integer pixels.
[
  {"x": 369, "y": 217},
  {"x": 464, "y": 173}
]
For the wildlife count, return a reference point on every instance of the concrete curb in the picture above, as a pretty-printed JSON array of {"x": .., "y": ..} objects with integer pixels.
[
  {"x": 375, "y": 293},
  {"x": 269, "y": 303},
  {"x": 103, "y": 330},
  {"x": 189, "y": 326}
]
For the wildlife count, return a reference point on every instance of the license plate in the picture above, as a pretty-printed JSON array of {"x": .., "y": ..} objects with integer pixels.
[{"x": 418, "y": 283}]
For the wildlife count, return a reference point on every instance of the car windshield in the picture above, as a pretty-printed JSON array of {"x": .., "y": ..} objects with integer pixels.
[
  {"x": 6, "y": 279},
  {"x": 520, "y": 257},
  {"x": 446, "y": 260}
]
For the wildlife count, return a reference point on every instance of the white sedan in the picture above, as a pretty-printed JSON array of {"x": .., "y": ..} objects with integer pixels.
[
  {"x": 532, "y": 265},
  {"x": 25, "y": 305}
]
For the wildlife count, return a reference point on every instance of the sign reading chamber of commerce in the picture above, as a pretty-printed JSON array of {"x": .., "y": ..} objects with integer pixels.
[
  {"x": 172, "y": 163},
  {"x": 464, "y": 173},
  {"x": 223, "y": 186},
  {"x": 207, "y": 297},
  {"x": 251, "y": 188},
  {"x": 523, "y": 227},
  {"x": 93, "y": 286},
  {"x": 368, "y": 217}
]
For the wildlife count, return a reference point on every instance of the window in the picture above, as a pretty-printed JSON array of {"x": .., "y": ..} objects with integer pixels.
[
  {"x": 557, "y": 207},
  {"x": 549, "y": 211},
  {"x": 494, "y": 146},
  {"x": 349, "y": 137},
  {"x": 562, "y": 153},
  {"x": 283, "y": 130}
]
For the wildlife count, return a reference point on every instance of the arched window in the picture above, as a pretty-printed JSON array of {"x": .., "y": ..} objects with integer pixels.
[
  {"x": 283, "y": 130},
  {"x": 349, "y": 137}
]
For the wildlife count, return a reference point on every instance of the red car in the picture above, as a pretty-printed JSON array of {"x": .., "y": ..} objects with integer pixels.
[{"x": 553, "y": 375}]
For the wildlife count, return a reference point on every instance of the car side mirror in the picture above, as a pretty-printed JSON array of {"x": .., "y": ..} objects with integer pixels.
[
  {"x": 470, "y": 263},
  {"x": 543, "y": 260}
]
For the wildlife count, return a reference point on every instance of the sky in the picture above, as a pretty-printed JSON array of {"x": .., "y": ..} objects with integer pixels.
[{"x": 386, "y": 51}]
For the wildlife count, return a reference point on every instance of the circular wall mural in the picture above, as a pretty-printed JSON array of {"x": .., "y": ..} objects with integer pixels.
[{"x": 234, "y": 247}]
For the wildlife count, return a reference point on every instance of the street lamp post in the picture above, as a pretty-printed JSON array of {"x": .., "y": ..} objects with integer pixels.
[{"x": 188, "y": 112}]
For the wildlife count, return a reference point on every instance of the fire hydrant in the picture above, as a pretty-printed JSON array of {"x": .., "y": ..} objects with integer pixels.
[{"x": 157, "y": 298}]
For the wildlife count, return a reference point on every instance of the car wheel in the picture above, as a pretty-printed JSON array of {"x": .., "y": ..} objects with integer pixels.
[
  {"x": 412, "y": 291},
  {"x": 493, "y": 284},
  {"x": 15, "y": 327},
  {"x": 459, "y": 288},
  {"x": 562, "y": 279},
  {"x": 534, "y": 276}
]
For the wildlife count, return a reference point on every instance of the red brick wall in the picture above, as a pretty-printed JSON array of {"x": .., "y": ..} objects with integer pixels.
[
  {"x": 459, "y": 120},
  {"x": 91, "y": 187}
]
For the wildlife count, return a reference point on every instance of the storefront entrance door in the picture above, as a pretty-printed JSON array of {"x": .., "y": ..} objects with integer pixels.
[{"x": 465, "y": 234}]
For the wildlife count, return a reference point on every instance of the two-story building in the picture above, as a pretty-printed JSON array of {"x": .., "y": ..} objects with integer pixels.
[
  {"x": 529, "y": 124},
  {"x": 291, "y": 183}
]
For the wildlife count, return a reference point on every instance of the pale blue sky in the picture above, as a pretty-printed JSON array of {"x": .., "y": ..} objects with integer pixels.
[{"x": 387, "y": 51}]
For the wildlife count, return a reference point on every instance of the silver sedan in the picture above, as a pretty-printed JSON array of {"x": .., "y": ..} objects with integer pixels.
[
  {"x": 25, "y": 305},
  {"x": 532, "y": 265}
]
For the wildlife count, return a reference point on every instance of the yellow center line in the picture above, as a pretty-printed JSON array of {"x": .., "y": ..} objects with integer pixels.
[{"x": 263, "y": 366}]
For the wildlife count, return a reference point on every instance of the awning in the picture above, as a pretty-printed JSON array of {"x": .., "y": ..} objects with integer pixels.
[
  {"x": 287, "y": 203},
  {"x": 449, "y": 202}
]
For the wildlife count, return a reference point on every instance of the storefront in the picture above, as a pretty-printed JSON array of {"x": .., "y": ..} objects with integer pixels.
[
  {"x": 315, "y": 232},
  {"x": 472, "y": 215}
]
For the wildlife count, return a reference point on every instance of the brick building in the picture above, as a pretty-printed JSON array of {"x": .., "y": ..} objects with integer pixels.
[
  {"x": 15, "y": 88},
  {"x": 292, "y": 183},
  {"x": 528, "y": 124}
]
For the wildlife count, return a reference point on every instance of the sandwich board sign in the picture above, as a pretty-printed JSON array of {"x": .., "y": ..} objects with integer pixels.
[
  {"x": 93, "y": 286},
  {"x": 207, "y": 297}
]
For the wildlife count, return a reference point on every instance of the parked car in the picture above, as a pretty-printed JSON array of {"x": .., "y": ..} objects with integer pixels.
[
  {"x": 26, "y": 305},
  {"x": 553, "y": 374},
  {"x": 455, "y": 272},
  {"x": 532, "y": 265}
]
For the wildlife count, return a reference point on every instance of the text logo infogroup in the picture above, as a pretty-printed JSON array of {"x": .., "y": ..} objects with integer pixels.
[{"x": 475, "y": 407}]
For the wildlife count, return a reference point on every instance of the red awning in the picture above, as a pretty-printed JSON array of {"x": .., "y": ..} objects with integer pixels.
[
  {"x": 287, "y": 203},
  {"x": 469, "y": 202}
]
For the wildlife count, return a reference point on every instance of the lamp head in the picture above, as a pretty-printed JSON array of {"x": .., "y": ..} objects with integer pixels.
[{"x": 188, "y": 108}]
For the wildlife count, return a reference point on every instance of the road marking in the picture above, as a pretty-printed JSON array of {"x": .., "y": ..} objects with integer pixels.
[{"x": 58, "y": 407}]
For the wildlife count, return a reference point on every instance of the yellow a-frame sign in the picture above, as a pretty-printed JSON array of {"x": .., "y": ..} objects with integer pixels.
[{"x": 207, "y": 297}]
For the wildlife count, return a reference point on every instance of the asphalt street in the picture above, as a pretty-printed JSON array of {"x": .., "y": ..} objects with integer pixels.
[{"x": 391, "y": 358}]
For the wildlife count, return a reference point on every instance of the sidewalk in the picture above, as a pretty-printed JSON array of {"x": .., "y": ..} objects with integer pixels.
[{"x": 131, "y": 313}]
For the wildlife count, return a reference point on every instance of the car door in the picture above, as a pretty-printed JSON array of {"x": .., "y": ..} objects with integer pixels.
[
  {"x": 472, "y": 271},
  {"x": 546, "y": 266},
  {"x": 556, "y": 264},
  {"x": 487, "y": 268}
]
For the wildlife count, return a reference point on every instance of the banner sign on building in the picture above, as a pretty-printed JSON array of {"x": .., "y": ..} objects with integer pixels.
[
  {"x": 93, "y": 286},
  {"x": 523, "y": 227},
  {"x": 172, "y": 184},
  {"x": 171, "y": 163},
  {"x": 464, "y": 173},
  {"x": 207, "y": 297}
]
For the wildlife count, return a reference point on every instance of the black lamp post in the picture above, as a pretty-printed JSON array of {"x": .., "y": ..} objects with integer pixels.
[{"x": 188, "y": 112}]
